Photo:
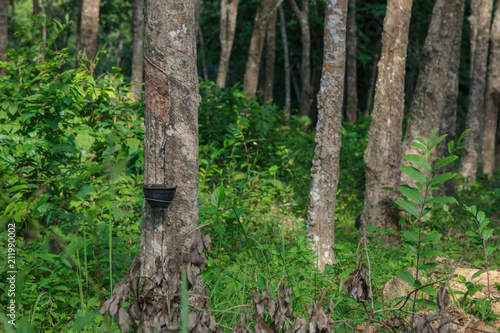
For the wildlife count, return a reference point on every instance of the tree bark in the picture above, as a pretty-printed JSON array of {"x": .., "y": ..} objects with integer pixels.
[
  {"x": 172, "y": 102},
  {"x": 202, "y": 51},
  {"x": 36, "y": 8},
  {"x": 251, "y": 77},
  {"x": 383, "y": 151},
  {"x": 371, "y": 89},
  {"x": 138, "y": 47},
  {"x": 270, "y": 58},
  {"x": 228, "y": 16},
  {"x": 428, "y": 100},
  {"x": 325, "y": 168},
  {"x": 4, "y": 27},
  {"x": 88, "y": 28},
  {"x": 352, "y": 81},
  {"x": 449, "y": 120},
  {"x": 305, "y": 65},
  {"x": 492, "y": 98},
  {"x": 288, "y": 93},
  {"x": 480, "y": 20}
]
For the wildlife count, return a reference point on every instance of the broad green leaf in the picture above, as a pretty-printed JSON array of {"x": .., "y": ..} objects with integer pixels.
[
  {"x": 421, "y": 141},
  {"x": 479, "y": 272},
  {"x": 485, "y": 223},
  {"x": 414, "y": 174},
  {"x": 84, "y": 141},
  {"x": 408, "y": 206},
  {"x": 430, "y": 238},
  {"x": 444, "y": 161},
  {"x": 442, "y": 178},
  {"x": 431, "y": 253},
  {"x": 13, "y": 109},
  {"x": 430, "y": 265},
  {"x": 441, "y": 200},
  {"x": 433, "y": 134},
  {"x": 450, "y": 147},
  {"x": 490, "y": 250},
  {"x": 419, "y": 161},
  {"x": 471, "y": 234},
  {"x": 407, "y": 277},
  {"x": 410, "y": 236},
  {"x": 487, "y": 233},
  {"x": 437, "y": 141},
  {"x": 480, "y": 216},
  {"x": 419, "y": 146},
  {"x": 411, "y": 193},
  {"x": 218, "y": 196}
]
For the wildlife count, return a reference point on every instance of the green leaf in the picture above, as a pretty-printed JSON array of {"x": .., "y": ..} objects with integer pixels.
[
  {"x": 490, "y": 250},
  {"x": 218, "y": 196},
  {"x": 411, "y": 193},
  {"x": 480, "y": 216},
  {"x": 414, "y": 174},
  {"x": 442, "y": 178},
  {"x": 12, "y": 109},
  {"x": 444, "y": 161},
  {"x": 431, "y": 265},
  {"x": 475, "y": 275},
  {"x": 407, "y": 277},
  {"x": 418, "y": 145},
  {"x": 431, "y": 253},
  {"x": 408, "y": 206},
  {"x": 84, "y": 141},
  {"x": 410, "y": 236},
  {"x": 450, "y": 147},
  {"x": 421, "y": 141},
  {"x": 430, "y": 238},
  {"x": 440, "y": 200},
  {"x": 487, "y": 233},
  {"x": 431, "y": 137},
  {"x": 419, "y": 161},
  {"x": 437, "y": 141}
]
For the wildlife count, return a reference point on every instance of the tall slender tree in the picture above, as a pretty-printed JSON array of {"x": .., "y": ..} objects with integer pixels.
[
  {"x": 286, "y": 60},
  {"x": 138, "y": 46},
  {"x": 305, "y": 64},
  {"x": 383, "y": 150},
  {"x": 429, "y": 98},
  {"x": 352, "y": 77},
  {"x": 492, "y": 98},
  {"x": 228, "y": 16},
  {"x": 88, "y": 27},
  {"x": 325, "y": 168},
  {"x": 270, "y": 58},
  {"x": 480, "y": 20},
  {"x": 4, "y": 27}
]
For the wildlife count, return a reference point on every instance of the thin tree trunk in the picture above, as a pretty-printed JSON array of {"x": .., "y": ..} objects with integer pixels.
[
  {"x": 497, "y": 151},
  {"x": 492, "y": 98},
  {"x": 480, "y": 20},
  {"x": 305, "y": 65},
  {"x": 383, "y": 151},
  {"x": 36, "y": 8},
  {"x": 88, "y": 28},
  {"x": 325, "y": 168},
  {"x": 428, "y": 100},
  {"x": 352, "y": 81},
  {"x": 138, "y": 46},
  {"x": 172, "y": 102},
  {"x": 13, "y": 20},
  {"x": 228, "y": 16},
  {"x": 4, "y": 27},
  {"x": 202, "y": 50},
  {"x": 371, "y": 89},
  {"x": 270, "y": 58},
  {"x": 251, "y": 77},
  {"x": 449, "y": 120},
  {"x": 288, "y": 98}
]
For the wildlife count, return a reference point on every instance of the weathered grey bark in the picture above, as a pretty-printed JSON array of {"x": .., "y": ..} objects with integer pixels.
[
  {"x": 270, "y": 58},
  {"x": 228, "y": 16},
  {"x": 251, "y": 77},
  {"x": 428, "y": 100},
  {"x": 480, "y": 20},
  {"x": 138, "y": 46},
  {"x": 352, "y": 77},
  {"x": 492, "y": 98},
  {"x": 197, "y": 12},
  {"x": 497, "y": 150},
  {"x": 325, "y": 168},
  {"x": 202, "y": 50},
  {"x": 288, "y": 94},
  {"x": 383, "y": 151},
  {"x": 449, "y": 120},
  {"x": 4, "y": 27},
  {"x": 371, "y": 89},
  {"x": 305, "y": 64},
  {"x": 88, "y": 28},
  {"x": 172, "y": 102}
]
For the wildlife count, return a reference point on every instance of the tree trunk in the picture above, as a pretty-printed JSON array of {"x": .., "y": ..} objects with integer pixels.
[
  {"x": 480, "y": 20},
  {"x": 4, "y": 9},
  {"x": 383, "y": 151},
  {"x": 36, "y": 8},
  {"x": 428, "y": 100},
  {"x": 88, "y": 28},
  {"x": 202, "y": 51},
  {"x": 449, "y": 120},
  {"x": 371, "y": 89},
  {"x": 492, "y": 98},
  {"x": 325, "y": 168},
  {"x": 228, "y": 15},
  {"x": 351, "y": 82},
  {"x": 270, "y": 57},
  {"x": 138, "y": 46},
  {"x": 172, "y": 102},
  {"x": 288, "y": 94},
  {"x": 305, "y": 65}
]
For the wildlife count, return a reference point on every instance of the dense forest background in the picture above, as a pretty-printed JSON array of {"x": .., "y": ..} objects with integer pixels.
[{"x": 72, "y": 170}]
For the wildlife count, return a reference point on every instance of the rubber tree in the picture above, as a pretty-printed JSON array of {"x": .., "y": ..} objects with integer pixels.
[
  {"x": 325, "y": 166},
  {"x": 228, "y": 16},
  {"x": 4, "y": 5},
  {"x": 88, "y": 27},
  {"x": 137, "y": 49},
  {"x": 383, "y": 151},
  {"x": 352, "y": 77}
]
